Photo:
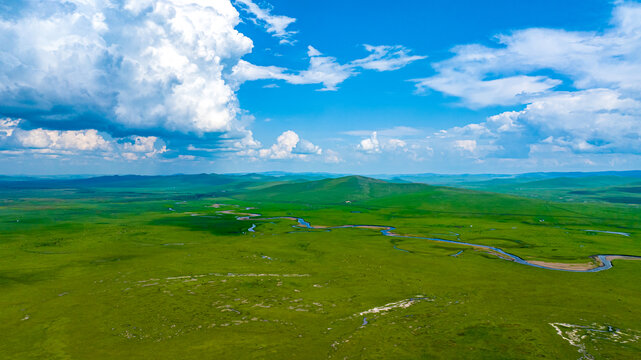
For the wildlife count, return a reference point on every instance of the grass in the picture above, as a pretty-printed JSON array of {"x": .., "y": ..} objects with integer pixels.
[{"x": 94, "y": 272}]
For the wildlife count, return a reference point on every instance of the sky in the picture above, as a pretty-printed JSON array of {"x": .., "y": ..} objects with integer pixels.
[{"x": 361, "y": 87}]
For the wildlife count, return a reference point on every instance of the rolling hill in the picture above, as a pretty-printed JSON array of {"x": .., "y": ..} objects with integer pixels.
[{"x": 333, "y": 191}]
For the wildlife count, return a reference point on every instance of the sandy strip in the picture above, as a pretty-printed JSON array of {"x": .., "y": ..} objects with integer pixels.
[
  {"x": 232, "y": 212},
  {"x": 376, "y": 227},
  {"x": 622, "y": 257},
  {"x": 312, "y": 227},
  {"x": 566, "y": 266},
  {"x": 497, "y": 254}
]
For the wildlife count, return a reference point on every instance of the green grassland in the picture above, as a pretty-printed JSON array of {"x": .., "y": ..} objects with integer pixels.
[
  {"x": 160, "y": 268},
  {"x": 610, "y": 187}
]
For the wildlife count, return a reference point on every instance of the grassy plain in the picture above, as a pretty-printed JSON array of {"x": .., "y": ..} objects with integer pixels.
[{"x": 151, "y": 269}]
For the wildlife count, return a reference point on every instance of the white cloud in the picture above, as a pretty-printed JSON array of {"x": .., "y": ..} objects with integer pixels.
[
  {"x": 477, "y": 92},
  {"x": 505, "y": 121},
  {"x": 274, "y": 24},
  {"x": 323, "y": 70},
  {"x": 396, "y": 131},
  {"x": 306, "y": 147},
  {"x": 326, "y": 70},
  {"x": 332, "y": 157},
  {"x": 84, "y": 140},
  {"x": 149, "y": 66},
  {"x": 589, "y": 120},
  {"x": 89, "y": 142},
  {"x": 141, "y": 144},
  {"x": 240, "y": 140},
  {"x": 475, "y": 141},
  {"x": 311, "y": 52},
  {"x": 600, "y": 114},
  {"x": 381, "y": 141},
  {"x": 141, "y": 64},
  {"x": 371, "y": 144},
  {"x": 130, "y": 156},
  {"x": 581, "y": 122},
  {"x": 288, "y": 145},
  {"x": 386, "y": 58},
  {"x": 467, "y": 145},
  {"x": 394, "y": 144},
  {"x": 484, "y": 76},
  {"x": 8, "y": 125},
  {"x": 143, "y": 147}
]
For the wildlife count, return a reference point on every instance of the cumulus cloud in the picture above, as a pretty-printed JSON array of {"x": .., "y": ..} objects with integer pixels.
[
  {"x": 288, "y": 145},
  {"x": 89, "y": 142},
  {"x": 371, "y": 144},
  {"x": 283, "y": 147},
  {"x": 591, "y": 60},
  {"x": 581, "y": 122},
  {"x": 599, "y": 110},
  {"x": 66, "y": 140},
  {"x": 305, "y": 147},
  {"x": 143, "y": 147},
  {"x": 599, "y": 120},
  {"x": 274, "y": 24},
  {"x": 375, "y": 144},
  {"x": 76, "y": 140},
  {"x": 467, "y": 145},
  {"x": 136, "y": 64},
  {"x": 326, "y": 70}
]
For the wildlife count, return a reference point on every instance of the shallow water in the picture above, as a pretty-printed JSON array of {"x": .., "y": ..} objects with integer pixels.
[{"x": 610, "y": 232}]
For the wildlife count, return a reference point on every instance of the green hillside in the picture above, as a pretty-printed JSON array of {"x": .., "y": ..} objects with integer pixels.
[
  {"x": 573, "y": 182},
  {"x": 333, "y": 191}
]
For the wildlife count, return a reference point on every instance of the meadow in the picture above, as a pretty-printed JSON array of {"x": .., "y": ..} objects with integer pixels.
[{"x": 173, "y": 267}]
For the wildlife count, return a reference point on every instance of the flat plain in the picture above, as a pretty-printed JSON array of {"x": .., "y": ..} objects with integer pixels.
[{"x": 220, "y": 267}]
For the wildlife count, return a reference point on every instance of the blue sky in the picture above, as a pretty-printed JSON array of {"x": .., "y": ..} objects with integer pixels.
[{"x": 168, "y": 86}]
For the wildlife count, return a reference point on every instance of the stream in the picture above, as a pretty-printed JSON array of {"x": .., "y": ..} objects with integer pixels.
[{"x": 604, "y": 261}]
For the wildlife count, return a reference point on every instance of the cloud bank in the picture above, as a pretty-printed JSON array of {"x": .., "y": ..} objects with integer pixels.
[
  {"x": 589, "y": 101},
  {"x": 134, "y": 66},
  {"x": 116, "y": 77}
]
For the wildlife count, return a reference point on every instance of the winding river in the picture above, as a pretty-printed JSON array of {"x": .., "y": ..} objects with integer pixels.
[{"x": 603, "y": 262}]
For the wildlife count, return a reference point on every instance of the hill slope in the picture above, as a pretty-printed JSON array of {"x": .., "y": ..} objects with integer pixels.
[{"x": 349, "y": 188}]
